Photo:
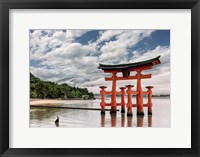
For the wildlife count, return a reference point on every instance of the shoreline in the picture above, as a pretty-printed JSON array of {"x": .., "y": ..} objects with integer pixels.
[
  {"x": 55, "y": 102},
  {"x": 76, "y": 108}
]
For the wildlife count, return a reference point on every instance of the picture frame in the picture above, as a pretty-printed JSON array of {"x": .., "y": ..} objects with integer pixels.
[{"x": 5, "y": 5}]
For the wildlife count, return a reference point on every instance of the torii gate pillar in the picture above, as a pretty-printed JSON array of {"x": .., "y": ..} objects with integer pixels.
[
  {"x": 139, "y": 96},
  {"x": 113, "y": 96}
]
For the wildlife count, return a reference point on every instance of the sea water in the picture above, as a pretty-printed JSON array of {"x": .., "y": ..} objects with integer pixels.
[{"x": 76, "y": 118}]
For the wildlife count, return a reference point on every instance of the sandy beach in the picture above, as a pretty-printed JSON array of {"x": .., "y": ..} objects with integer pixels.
[{"x": 53, "y": 102}]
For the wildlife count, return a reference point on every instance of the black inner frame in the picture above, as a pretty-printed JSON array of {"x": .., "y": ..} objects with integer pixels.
[{"x": 5, "y": 5}]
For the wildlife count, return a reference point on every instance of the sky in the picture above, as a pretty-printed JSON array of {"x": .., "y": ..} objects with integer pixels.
[{"x": 72, "y": 56}]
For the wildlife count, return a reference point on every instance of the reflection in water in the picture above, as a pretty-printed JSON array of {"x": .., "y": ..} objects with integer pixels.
[
  {"x": 57, "y": 124},
  {"x": 102, "y": 120},
  {"x": 122, "y": 120},
  {"x": 140, "y": 120},
  {"x": 129, "y": 121},
  {"x": 73, "y": 118},
  {"x": 149, "y": 120},
  {"x": 113, "y": 120},
  {"x": 41, "y": 113}
]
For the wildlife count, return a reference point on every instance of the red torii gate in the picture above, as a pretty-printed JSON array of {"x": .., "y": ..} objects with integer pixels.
[{"x": 126, "y": 69}]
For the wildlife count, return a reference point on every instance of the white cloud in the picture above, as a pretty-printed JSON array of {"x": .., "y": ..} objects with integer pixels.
[
  {"x": 107, "y": 35},
  {"x": 76, "y": 33},
  {"x": 117, "y": 50},
  {"x": 164, "y": 52},
  {"x": 47, "y": 41}
]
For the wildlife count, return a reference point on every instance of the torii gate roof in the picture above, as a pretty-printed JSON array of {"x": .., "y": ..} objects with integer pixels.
[{"x": 149, "y": 62}]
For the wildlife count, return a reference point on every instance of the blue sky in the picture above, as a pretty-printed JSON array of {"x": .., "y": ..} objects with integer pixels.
[{"x": 72, "y": 56}]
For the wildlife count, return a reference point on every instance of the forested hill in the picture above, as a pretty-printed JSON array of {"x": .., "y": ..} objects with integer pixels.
[{"x": 46, "y": 89}]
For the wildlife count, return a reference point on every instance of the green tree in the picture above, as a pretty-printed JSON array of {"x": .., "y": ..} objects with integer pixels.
[
  {"x": 33, "y": 94},
  {"x": 46, "y": 89}
]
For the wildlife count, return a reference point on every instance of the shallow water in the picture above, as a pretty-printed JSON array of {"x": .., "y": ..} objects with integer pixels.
[{"x": 75, "y": 118}]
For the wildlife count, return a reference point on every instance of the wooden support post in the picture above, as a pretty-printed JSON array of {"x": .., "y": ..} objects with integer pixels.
[
  {"x": 122, "y": 99},
  {"x": 113, "y": 96},
  {"x": 139, "y": 96},
  {"x": 149, "y": 90},
  {"x": 102, "y": 104},
  {"x": 129, "y": 92}
]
